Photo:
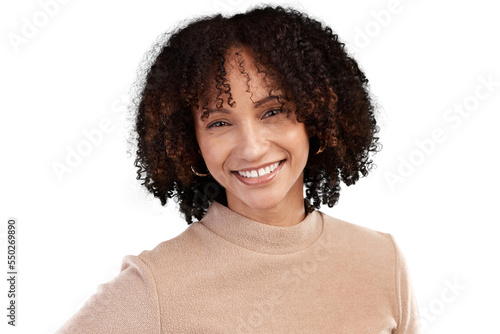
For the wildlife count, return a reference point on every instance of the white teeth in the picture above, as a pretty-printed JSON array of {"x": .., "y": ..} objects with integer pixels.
[{"x": 261, "y": 172}]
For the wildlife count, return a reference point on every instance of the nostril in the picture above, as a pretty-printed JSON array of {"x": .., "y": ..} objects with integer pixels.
[{"x": 251, "y": 146}]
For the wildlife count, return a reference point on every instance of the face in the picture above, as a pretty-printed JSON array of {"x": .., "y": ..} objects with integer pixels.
[{"x": 254, "y": 150}]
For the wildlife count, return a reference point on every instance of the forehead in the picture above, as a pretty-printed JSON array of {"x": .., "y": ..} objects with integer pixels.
[{"x": 244, "y": 76}]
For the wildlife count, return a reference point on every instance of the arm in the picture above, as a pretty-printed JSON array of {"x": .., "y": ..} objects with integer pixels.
[
  {"x": 127, "y": 304},
  {"x": 408, "y": 322}
]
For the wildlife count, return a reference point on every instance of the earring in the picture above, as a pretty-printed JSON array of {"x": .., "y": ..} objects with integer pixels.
[
  {"x": 199, "y": 174},
  {"x": 322, "y": 148}
]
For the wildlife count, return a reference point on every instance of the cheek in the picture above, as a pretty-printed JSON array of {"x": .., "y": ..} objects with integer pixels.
[
  {"x": 210, "y": 156},
  {"x": 205, "y": 146},
  {"x": 298, "y": 140},
  {"x": 213, "y": 152}
]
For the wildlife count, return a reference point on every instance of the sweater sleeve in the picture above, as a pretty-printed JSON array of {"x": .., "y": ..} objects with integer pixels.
[
  {"x": 127, "y": 304},
  {"x": 408, "y": 322}
]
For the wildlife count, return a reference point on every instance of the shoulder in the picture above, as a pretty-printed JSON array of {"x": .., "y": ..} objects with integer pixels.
[
  {"x": 374, "y": 257},
  {"x": 359, "y": 241},
  {"x": 175, "y": 252},
  {"x": 349, "y": 231}
]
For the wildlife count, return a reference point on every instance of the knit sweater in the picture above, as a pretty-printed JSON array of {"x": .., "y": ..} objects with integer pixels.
[{"x": 229, "y": 274}]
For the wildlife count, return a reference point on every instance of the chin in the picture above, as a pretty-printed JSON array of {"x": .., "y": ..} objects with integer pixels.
[{"x": 265, "y": 201}]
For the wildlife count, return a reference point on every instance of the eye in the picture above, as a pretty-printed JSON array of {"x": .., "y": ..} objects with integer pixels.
[
  {"x": 217, "y": 124},
  {"x": 272, "y": 112}
]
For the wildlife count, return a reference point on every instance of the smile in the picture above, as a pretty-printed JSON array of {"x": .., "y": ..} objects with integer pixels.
[{"x": 256, "y": 173}]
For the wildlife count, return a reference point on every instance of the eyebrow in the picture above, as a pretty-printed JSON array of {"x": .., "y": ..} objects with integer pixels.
[
  {"x": 268, "y": 99},
  {"x": 256, "y": 105},
  {"x": 204, "y": 114}
]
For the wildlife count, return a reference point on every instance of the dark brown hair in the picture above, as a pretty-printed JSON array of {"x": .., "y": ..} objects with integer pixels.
[{"x": 303, "y": 57}]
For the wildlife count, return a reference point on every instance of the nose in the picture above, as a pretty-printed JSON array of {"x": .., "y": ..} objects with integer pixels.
[{"x": 253, "y": 142}]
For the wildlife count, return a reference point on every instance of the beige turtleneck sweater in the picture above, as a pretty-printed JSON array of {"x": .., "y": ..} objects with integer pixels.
[{"x": 229, "y": 274}]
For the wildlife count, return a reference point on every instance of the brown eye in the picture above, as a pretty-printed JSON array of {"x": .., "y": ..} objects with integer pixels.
[
  {"x": 272, "y": 112},
  {"x": 217, "y": 124}
]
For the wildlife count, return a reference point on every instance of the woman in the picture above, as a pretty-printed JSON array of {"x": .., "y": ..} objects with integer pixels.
[{"x": 236, "y": 116}]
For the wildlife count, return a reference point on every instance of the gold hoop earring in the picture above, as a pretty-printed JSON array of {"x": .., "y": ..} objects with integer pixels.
[
  {"x": 199, "y": 174},
  {"x": 322, "y": 148}
]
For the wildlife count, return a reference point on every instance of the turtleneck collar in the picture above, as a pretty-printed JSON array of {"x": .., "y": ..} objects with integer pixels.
[{"x": 260, "y": 237}]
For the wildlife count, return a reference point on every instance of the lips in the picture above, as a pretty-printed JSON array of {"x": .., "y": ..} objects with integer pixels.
[
  {"x": 259, "y": 175},
  {"x": 259, "y": 172}
]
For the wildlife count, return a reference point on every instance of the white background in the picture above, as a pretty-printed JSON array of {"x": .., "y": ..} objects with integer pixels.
[{"x": 425, "y": 60}]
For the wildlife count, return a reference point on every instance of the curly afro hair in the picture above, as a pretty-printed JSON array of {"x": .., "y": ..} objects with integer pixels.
[{"x": 303, "y": 57}]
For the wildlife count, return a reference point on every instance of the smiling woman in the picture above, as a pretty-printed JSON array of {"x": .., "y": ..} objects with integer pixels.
[
  {"x": 237, "y": 117},
  {"x": 257, "y": 151}
]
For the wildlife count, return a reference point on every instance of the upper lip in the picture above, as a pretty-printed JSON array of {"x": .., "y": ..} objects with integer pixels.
[{"x": 257, "y": 167}]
